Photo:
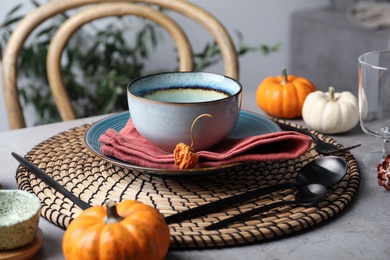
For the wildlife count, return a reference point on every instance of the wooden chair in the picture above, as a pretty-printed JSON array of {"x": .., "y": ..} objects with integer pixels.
[{"x": 95, "y": 9}]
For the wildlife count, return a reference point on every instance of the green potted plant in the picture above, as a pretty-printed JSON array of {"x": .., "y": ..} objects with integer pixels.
[{"x": 98, "y": 62}]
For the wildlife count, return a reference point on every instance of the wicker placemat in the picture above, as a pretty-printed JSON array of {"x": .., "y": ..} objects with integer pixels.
[{"x": 66, "y": 159}]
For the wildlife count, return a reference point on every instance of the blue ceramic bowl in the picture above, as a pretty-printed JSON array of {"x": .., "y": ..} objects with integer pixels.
[{"x": 164, "y": 106}]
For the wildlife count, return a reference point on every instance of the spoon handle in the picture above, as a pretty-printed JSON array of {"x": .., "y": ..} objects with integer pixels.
[
  {"x": 247, "y": 214},
  {"x": 226, "y": 202}
]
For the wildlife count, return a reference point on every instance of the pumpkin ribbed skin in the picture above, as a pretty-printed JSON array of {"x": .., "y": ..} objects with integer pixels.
[
  {"x": 283, "y": 96},
  {"x": 331, "y": 112},
  {"x": 141, "y": 234}
]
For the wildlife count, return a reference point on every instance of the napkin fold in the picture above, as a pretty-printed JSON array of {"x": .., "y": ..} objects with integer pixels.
[{"x": 129, "y": 146}]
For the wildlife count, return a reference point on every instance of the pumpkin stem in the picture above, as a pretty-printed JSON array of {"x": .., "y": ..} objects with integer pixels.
[
  {"x": 112, "y": 213},
  {"x": 331, "y": 94},
  {"x": 284, "y": 76},
  {"x": 192, "y": 127}
]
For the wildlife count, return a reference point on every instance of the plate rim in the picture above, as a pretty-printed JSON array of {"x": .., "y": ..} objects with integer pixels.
[{"x": 160, "y": 171}]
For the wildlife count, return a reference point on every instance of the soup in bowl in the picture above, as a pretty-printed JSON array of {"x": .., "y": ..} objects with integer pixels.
[{"x": 163, "y": 108}]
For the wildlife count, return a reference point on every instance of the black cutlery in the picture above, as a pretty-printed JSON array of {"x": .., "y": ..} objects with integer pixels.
[
  {"x": 321, "y": 147},
  {"x": 50, "y": 181},
  {"x": 326, "y": 171},
  {"x": 306, "y": 196}
]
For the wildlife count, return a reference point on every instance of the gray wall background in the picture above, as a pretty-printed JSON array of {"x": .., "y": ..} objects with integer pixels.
[{"x": 259, "y": 21}]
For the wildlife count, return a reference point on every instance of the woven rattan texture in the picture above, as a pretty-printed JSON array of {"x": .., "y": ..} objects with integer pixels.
[{"x": 66, "y": 159}]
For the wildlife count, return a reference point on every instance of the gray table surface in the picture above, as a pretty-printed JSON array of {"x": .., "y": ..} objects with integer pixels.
[{"x": 360, "y": 231}]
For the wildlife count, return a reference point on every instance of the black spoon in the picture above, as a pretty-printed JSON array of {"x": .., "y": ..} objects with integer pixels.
[
  {"x": 306, "y": 196},
  {"x": 327, "y": 171}
]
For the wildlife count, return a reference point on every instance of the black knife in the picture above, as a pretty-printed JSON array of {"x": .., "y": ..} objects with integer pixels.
[
  {"x": 225, "y": 203},
  {"x": 50, "y": 181}
]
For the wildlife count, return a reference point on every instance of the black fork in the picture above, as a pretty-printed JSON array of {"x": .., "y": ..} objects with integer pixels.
[{"x": 322, "y": 147}]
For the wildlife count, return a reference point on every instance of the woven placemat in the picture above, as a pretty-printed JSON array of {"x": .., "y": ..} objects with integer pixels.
[{"x": 66, "y": 159}]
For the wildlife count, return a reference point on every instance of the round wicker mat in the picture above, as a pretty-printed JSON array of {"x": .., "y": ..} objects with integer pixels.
[{"x": 66, "y": 159}]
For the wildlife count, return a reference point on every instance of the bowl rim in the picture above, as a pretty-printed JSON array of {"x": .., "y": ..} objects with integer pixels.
[
  {"x": 32, "y": 199},
  {"x": 237, "y": 93}
]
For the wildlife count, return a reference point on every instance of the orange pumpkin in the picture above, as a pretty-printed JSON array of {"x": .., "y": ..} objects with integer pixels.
[
  {"x": 283, "y": 96},
  {"x": 127, "y": 230}
]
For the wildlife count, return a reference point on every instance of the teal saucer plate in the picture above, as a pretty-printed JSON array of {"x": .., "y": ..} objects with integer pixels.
[{"x": 248, "y": 124}]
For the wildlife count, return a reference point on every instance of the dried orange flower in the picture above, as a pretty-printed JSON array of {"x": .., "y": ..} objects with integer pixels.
[{"x": 185, "y": 157}]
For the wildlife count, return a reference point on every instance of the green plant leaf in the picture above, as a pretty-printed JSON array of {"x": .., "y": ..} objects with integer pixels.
[{"x": 98, "y": 62}]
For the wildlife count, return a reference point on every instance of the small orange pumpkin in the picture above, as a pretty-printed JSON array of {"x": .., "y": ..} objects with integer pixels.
[
  {"x": 283, "y": 96},
  {"x": 127, "y": 230}
]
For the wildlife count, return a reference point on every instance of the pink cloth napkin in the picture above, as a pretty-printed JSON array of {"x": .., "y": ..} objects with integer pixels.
[{"x": 129, "y": 146}]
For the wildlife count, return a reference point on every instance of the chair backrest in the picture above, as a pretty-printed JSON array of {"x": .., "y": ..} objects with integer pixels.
[{"x": 96, "y": 9}]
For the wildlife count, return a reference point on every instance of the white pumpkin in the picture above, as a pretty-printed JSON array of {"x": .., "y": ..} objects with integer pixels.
[{"x": 330, "y": 112}]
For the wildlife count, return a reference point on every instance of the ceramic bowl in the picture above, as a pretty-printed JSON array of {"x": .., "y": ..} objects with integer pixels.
[
  {"x": 164, "y": 106},
  {"x": 19, "y": 217}
]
